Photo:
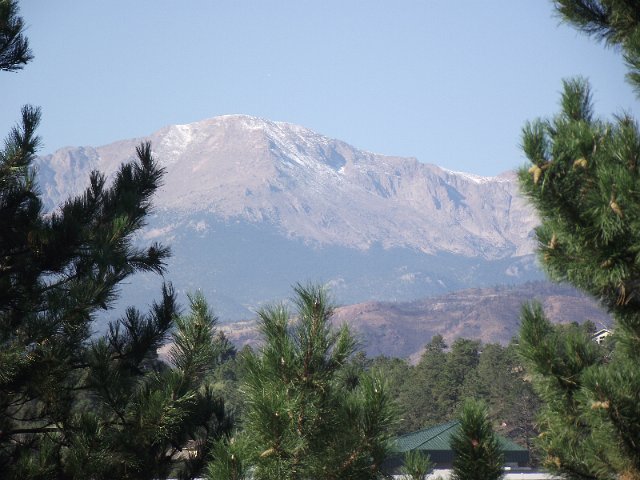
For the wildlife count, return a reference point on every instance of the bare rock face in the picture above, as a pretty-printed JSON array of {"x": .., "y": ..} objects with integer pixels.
[
  {"x": 317, "y": 189},
  {"x": 251, "y": 206}
]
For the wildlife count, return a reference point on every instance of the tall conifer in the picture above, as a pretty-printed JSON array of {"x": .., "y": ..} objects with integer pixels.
[
  {"x": 308, "y": 414},
  {"x": 74, "y": 406},
  {"x": 14, "y": 46},
  {"x": 584, "y": 180},
  {"x": 475, "y": 446}
]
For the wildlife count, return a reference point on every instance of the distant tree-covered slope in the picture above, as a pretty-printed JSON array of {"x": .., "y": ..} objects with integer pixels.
[{"x": 488, "y": 314}]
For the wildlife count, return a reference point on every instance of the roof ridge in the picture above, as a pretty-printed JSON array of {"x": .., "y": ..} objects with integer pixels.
[
  {"x": 438, "y": 436},
  {"x": 417, "y": 438},
  {"x": 442, "y": 429}
]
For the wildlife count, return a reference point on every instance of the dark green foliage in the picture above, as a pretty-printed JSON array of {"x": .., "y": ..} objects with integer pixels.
[
  {"x": 73, "y": 406},
  {"x": 422, "y": 396},
  {"x": 476, "y": 447},
  {"x": 460, "y": 371},
  {"x": 501, "y": 382},
  {"x": 230, "y": 456},
  {"x": 587, "y": 195},
  {"x": 417, "y": 465},
  {"x": 14, "y": 46},
  {"x": 396, "y": 372},
  {"x": 432, "y": 392},
  {"x": 495, "y": 375},
  {"x": 55, "y": 273},
  {"x": 226, "y": 379},
  {"x": 146, "y": 413},
  {"x": 585, "y": 184},
  {"x": 575, "y": 439},
  {"x": 310, "y": 411},
  {"x": 77, "y": 407}
]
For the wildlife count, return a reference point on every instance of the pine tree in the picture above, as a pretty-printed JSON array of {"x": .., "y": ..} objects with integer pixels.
[
  {"x": 397, "y": 373},
  {"x": 575, "y": 439},
  {"x": 511, "y": 402},
  {"x": 616, "y": 22},
  {"x": 75, "y": 406},
  {"x": 14, "y": 46},
  {"x": 475, "y": 445},
  {"x": 585, "y": 183},
  {"x": 423, "y": 396},
  {"x": 71, "y": 405},
  {"x": 460, "y": 373},
  {"x": 417, "y": 465},
  {"x": 309, "y": 415}
]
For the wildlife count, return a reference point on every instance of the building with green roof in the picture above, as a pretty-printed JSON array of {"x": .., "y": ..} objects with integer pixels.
[{"x": 436, "y": 441}]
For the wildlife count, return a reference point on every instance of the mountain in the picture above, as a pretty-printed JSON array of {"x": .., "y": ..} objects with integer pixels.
[
  {"x": 320, "y": 190},
  {"x": 250, "y": 206},
  {"x": 401, "y": 329}
]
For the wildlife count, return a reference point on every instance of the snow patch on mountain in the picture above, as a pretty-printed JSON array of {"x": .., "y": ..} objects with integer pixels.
[
  {"x": 174, "y": 143},
  {"x": 314, "y": 188},
  {"x": 475, "y": 178}
]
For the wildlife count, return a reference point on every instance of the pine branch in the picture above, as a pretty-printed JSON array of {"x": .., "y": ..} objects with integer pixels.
[{"x": 14, "y": 46}]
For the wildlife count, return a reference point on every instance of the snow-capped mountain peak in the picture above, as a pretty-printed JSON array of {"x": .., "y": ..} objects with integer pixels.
[{"x": 315, "y": 188}]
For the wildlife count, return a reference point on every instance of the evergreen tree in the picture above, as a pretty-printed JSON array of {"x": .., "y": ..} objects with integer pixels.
[
  {"x": 475, "y": 445},
  {"x": 417, "y": 465},
  {"x": 460, "y": 373},
  {"x": 499, "y": 380},
  {"x": 14, "y": 46},
  {"x": 431, "y": 392},
  {"x": 309, "y": 414},
  {"x": 231, "y": 459},
  {"x": 575, "y": 439},
  {"x": 226, "y": 378},
  {"x": 422, "y": 395},
  {"x": 73, "y": 406},
  {"x": 585, "y": 183},
  {"x": 396, "y": 372},
  {"x": 616, "y": 22}
]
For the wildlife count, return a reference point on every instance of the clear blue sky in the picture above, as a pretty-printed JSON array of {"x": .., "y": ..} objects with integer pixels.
[{"x": 450, "y": 83}]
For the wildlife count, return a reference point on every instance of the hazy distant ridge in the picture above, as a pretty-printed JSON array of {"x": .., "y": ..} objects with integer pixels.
[{"x": 489, "y": 314}]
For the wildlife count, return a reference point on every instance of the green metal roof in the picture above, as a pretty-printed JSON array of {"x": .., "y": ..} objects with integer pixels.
[
  {"x": 433, "y": 438},
  {"x": 438, "y": 438}
]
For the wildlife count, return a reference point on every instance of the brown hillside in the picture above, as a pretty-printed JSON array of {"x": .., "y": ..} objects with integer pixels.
[{"x": 487, "y": 314}]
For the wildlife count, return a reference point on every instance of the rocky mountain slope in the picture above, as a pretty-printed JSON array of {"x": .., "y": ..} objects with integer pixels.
[
  {"x": 251, "y": 206},
  {"x": 314, "y": 188}
]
